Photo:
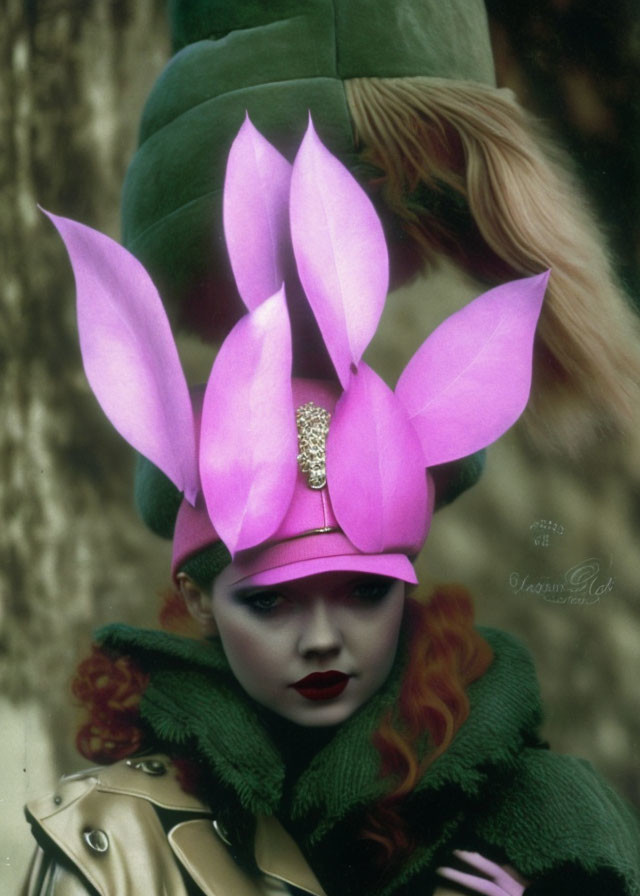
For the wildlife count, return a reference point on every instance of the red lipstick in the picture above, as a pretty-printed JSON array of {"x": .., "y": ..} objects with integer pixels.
[{"x": 322, "y": 685}]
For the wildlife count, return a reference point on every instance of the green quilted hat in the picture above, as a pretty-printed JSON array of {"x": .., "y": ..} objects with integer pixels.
[{"x": 278, "y": 60}]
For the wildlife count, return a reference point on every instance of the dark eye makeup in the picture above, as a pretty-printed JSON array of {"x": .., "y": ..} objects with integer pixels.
[
  {"x": 260, "y": 602},
  {"x": 371, "y": 590},
  {"x": 366, "y": 591}
]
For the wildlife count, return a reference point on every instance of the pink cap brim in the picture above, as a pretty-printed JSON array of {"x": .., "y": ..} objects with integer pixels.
[{"x": 316, "y": 553}]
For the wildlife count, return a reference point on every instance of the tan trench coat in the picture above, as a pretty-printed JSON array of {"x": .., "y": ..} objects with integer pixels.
[{"x": 105, "y": 822}]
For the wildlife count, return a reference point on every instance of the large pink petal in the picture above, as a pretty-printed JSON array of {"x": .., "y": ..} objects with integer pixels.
[
  {"x": 340, "y": 252},
  {"x": 375, "y": 471},
  {"x": 129, "y": 354},
  {"x": 470, "y": 380},
  {"x": 256, "y": 215},
  {"x": 248, "y": 439}
]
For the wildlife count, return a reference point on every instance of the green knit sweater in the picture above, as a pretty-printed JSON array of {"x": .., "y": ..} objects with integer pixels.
[{"x": 495, "y": 789}]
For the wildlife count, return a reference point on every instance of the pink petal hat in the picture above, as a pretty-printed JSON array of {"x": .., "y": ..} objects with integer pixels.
[
  {"x": 297, "y": 477},
  {"x": 309, "y": 539}
]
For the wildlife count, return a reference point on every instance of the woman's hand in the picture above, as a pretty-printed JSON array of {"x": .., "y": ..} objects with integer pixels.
[{"x": 493, "y": 880}]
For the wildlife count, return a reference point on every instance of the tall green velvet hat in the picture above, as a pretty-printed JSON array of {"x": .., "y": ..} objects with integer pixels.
[{"x": 276, "y": 60}]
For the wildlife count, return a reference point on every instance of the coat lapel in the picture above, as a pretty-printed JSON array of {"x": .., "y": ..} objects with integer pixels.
[
  {"x": 278, "y": 855},
  {"x": 209, "y": 863}
]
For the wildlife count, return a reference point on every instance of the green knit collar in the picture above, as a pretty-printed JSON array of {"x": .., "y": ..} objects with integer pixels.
[{"x": 193, "y": 699}]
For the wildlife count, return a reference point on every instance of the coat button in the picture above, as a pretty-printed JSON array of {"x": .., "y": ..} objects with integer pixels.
[
  {"x": 221, "y": 831},
  {"x": 149, "y": 766},
  {"x": 96, "y": 840}
]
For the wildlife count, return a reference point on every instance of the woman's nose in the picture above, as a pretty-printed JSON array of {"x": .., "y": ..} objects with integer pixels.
[{"x": 320, "y": 634}]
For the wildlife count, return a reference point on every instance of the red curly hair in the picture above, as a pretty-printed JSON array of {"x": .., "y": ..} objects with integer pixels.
[
  {"x": 109, "y": 687},
  {"x": 446, "y": 654}
]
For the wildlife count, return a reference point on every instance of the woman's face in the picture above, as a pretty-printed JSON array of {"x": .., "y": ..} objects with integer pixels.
[{"x": 313, "y": 650}]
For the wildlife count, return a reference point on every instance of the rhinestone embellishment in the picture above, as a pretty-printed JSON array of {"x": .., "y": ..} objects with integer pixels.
[{"x": 312, "y": 423}]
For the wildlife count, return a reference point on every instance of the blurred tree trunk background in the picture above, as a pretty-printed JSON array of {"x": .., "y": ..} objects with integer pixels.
[{"x": 72, "y": 552}]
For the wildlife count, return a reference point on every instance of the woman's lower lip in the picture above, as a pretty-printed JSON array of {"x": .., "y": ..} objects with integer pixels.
[{"x": 322, "y": 693}]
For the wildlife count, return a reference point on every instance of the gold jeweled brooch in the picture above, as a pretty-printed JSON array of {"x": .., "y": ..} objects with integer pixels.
[{"x": 313, "y": 427}]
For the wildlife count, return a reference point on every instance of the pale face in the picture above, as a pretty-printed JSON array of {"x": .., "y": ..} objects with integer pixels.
[{"x": 313, "y": 650}]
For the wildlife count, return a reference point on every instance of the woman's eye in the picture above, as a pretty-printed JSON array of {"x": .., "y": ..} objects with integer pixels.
[
  {"x": 372, "y": 591},
  {"x": 261, "y": 601}
]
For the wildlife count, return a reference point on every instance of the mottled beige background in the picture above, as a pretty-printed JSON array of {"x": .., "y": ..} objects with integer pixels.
[{"x": 74, "y": 555}]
